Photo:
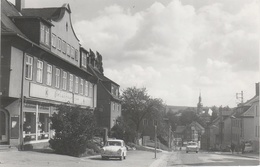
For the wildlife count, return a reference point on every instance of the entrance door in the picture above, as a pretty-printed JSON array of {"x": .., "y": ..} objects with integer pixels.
[{"x": 3, "y": 127}]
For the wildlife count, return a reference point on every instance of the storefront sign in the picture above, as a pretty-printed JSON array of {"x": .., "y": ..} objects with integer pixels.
[
  {"x": 40, "y": 91},
  {"x": 81, "y": 100}
]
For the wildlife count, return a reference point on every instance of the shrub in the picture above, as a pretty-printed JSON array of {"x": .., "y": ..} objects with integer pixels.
[{"x": 74, "y": 127}]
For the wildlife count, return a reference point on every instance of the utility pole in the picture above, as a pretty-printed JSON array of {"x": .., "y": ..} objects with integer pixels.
[
  {"x": 155, "y": 140},
  {"x": 240, "y": 96},
  {"x": 170, "y": 129}
]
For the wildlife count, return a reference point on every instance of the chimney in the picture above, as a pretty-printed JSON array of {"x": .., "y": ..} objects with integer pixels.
[
  {"x": 257, "y": 89},
  {"x": 19, "y": 4}
]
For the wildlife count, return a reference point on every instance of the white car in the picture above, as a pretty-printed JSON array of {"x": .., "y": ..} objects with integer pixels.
[
  {"x": 192, "y": 146},
  {"x": 114, "y": 148}
]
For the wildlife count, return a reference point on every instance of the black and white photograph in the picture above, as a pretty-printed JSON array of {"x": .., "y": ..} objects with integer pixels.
[{"x": 129, "y": 83}]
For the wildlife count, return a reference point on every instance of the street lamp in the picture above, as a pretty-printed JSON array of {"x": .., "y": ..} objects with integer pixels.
[
  {"x": 155, "y": 140},
  {"x": 231, "y": 120}
]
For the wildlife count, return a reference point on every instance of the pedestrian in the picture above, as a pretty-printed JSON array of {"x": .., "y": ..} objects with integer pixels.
[
  {"x": 243, "y": 147},
  {"x": 232, "y": 147}
]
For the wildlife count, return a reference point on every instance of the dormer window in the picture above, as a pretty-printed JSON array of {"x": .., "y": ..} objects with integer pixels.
[
  {"x": 84, "y": 60},
  {"x": 45, "y": 35}
]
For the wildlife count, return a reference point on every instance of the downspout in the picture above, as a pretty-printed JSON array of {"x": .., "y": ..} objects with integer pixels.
[{"x": 21, "y": 148}]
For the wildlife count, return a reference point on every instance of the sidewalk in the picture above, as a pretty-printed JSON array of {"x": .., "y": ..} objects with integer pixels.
[{"x": 248, "y": 155}]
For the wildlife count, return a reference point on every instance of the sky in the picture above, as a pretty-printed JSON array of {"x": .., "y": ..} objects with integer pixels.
[{"x": 174, "y": 48}]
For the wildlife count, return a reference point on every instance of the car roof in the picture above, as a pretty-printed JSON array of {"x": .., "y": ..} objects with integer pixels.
[{"x": 115, "y": 140}]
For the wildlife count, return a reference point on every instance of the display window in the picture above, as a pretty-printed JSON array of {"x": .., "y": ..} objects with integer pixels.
[{"x": 36, "y": 124}]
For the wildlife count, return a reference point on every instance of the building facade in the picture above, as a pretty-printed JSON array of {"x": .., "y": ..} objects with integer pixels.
[{"x": 40, "y": 69}]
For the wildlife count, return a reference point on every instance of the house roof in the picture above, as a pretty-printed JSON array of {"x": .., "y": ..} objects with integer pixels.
[
  {"x": 47, "y": 13},
  {"x": 103, "y": 79},
  {"x": 7, "y": 26}
]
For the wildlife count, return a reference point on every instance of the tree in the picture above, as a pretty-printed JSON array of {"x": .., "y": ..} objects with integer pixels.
[
  {"x": 74, "y": 127},
  {"x": 137, "y": 104}
]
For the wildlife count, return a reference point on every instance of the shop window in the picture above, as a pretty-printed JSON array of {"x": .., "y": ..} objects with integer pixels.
[
  {"x": 29, "y": 126},
  {"x": 28, "y": 67},
  {"x": 39, "y": 71},
  {"x": 43, "y": 126},
  {"x": 63, "y": 47}
]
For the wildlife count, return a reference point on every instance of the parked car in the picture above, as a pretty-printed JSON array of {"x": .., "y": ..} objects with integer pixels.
[
  {"x": 114, "y": 148},
  {"x": 248, "y": 147},
  {"x": 192, "y": 146}
]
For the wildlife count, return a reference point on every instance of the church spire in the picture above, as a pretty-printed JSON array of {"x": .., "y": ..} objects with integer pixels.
[{"x": 199, "y": 105}]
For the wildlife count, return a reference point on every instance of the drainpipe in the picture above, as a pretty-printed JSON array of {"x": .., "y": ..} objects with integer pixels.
[{"x": 21, "y": 148}]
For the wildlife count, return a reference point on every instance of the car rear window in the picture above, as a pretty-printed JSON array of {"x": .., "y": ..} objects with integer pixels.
[{"x": 113, "y": 143}]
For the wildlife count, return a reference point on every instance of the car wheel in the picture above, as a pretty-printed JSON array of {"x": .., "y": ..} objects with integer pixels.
[
  {"x": 186, "y": 151},
  {"x": 196, "y": 151}
]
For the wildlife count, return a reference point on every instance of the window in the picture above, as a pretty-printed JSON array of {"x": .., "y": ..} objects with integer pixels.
[
  {"x": 81, "y": 86},
  {"x": 64, "y": 80},
  {"x": 77, "y": 85},
  {"x": 72, "y": 52},
  {"x": 84, "y": 60},
  {"x": 117, "y": 92},
  {"x": 57, "y": 78},
  {"x": 145, "y": 122},
  {"x": 39, "y": 71},
  {"x": 76, "y": 55},
  {"x": 45, "y": 34},
  {"x": 49, "y": 74},
  {"x": 68, "y": 49},
  {"x": 59, "y": 43},
  {"x": 42, "y": 33},
  {"x": 112, "y": 90},
  {"x": 53, "y": 40},
  {"x": 90, "y": 90},
  {"x": 71, "y": 83},
  {"x": 28, "y": 67},
  {"x": 63, "y": 47},
  {"x": 86, "y": 88},
  {"x": 155, "y": 122}
]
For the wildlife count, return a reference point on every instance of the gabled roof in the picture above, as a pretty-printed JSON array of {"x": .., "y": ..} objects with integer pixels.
[{"x": 102, "y": 78}]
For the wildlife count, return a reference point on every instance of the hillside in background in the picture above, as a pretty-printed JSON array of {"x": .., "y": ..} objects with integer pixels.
[{"x": 175, "y": 109}]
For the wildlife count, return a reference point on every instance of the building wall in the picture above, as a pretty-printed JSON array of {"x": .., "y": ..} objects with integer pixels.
[
  {"x": 63, "y": 29},
  {"x": 15, "y": 73}
]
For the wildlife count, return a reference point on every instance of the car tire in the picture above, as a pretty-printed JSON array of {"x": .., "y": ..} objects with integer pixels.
[
  {"x": 196, "y": 151},
  {"x": 186, "y": 151}
]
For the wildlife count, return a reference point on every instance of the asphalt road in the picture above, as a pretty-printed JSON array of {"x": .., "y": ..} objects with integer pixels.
[
  {"x": 181, "y": 158},
  {"x": 133, "y": 159}
]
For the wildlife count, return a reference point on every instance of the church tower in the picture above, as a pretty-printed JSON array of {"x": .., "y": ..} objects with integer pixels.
[{"x": 199, "y": 106}]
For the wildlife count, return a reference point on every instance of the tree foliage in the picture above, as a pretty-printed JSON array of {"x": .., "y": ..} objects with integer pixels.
[
  {"x": 137, "y": 105},
  {"x": 74, "y": 127}
]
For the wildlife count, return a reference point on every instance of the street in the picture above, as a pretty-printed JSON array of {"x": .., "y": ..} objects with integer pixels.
[
  {"x": 181, "y": 158},
  {"x": 134, "y": 159}
]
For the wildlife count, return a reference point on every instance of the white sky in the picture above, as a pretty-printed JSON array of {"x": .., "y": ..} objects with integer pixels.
[{"x": 174, "y": 48}]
